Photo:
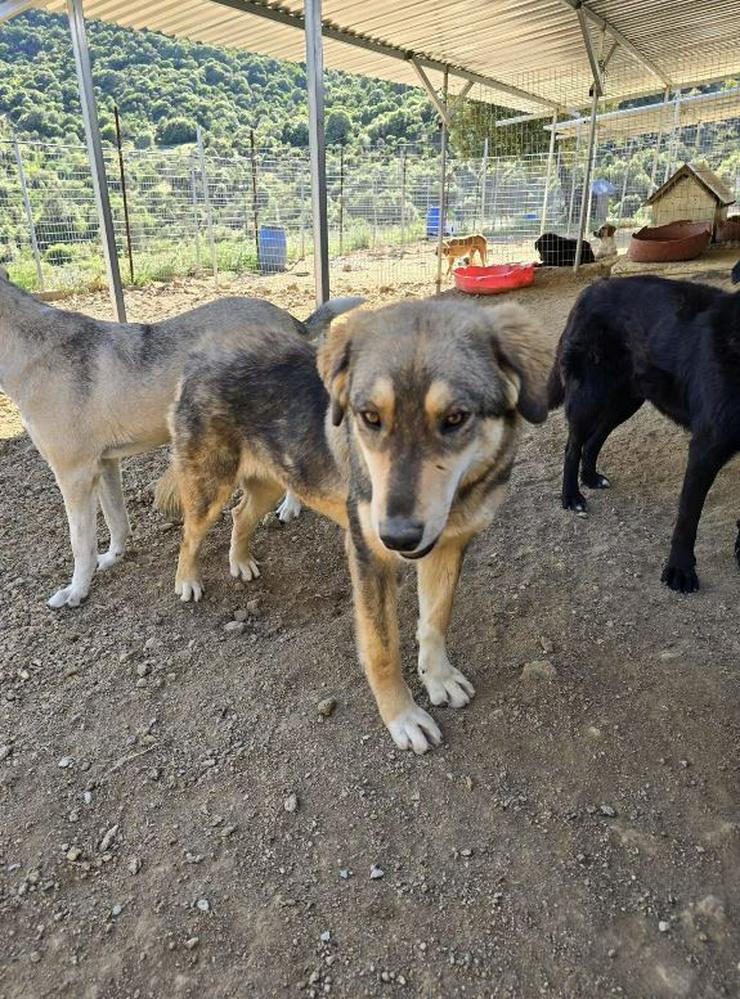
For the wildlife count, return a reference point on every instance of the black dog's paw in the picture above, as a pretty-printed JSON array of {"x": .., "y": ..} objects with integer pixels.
[
  {"x": 574, "y": 501},
  {"x": 737, "y": 545},
  {"x": 680, "y": 575},
  {"x": 595, "y": 481}
]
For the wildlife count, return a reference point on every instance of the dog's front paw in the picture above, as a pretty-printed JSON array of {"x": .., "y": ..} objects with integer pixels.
[
  {"x": 289, "y": 509},
  {"x": 109, "y": 559},
  {"x": 575, "y": 501},
  {"x": 680, "y": 575},
  {"x": 414, "y": 729},
  {"x": 445, "y": 684},
  {"x": 595, "y": 481},
  {"x": 68, "y": 596},
  {"x": 189, "y": 589},
  {"x": 245, "y": 569}
]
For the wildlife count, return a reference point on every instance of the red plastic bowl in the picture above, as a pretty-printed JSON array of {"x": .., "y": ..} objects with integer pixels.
[{"x": 494, "y": 279}]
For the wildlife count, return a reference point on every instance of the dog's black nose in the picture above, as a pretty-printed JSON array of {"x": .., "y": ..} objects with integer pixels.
[{"x": 401, "y": 535}]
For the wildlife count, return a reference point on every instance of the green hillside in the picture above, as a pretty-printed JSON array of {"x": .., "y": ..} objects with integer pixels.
[{"x": 164, "y": 87}]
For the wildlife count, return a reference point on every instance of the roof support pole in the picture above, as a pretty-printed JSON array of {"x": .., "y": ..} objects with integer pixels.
[
  {"x": 442, "y": 184},
  {"x": 440, "y": 105},
  {"x": 95, "y": 155},
  {"x": 28, "y": 210},
  {"x": 586, "y": 193},
  {"x": 550, "y": 158},
  {"x": 317, "y": 146}
]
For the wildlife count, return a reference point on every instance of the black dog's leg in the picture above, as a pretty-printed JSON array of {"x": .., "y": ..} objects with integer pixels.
[
  {"x": 737, "y": 545},
  {"x": 589, "y": 476},
  {"x": 705, "y": 461},
  {"x": 572, "y": 497}
]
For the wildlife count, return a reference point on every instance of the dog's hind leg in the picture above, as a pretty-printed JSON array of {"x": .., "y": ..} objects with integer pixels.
[
  {"x": 259, "y": 496},
  {"x": 376, "y": 619},
  {"x": 437, "y": 579},
  {"x": 705, "y": 461},
  {"x": 737, "y": 544},
  {"x": 114, "y": 511},
  {"x": 79, "y": 490},
  {"x": 589, "y": 475},
  {"x": 572, "y": 497},
  {"x": 202, "y": 496}
]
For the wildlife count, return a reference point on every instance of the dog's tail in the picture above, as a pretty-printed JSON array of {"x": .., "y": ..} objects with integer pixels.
[
  {"x": 320, "y": 320},
  {"x": 555, "y": 387},
  {"x": 167, "y": 495}
]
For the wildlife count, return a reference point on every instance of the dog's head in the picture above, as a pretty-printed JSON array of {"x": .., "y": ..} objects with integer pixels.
[
  {"x": 432, "y": 393},
  {"x": 606, "y": 231}
]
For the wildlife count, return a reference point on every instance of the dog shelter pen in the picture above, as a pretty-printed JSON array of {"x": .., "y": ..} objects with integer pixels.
[{"x": 622, "y": 57}]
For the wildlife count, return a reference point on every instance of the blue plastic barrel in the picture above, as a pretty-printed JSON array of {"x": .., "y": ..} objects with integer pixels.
[
  {"x": 273, "y": 249},
  {"x": 433, "y": 223}
]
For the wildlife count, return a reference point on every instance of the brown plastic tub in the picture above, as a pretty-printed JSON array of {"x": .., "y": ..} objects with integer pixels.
[
  {"x": 677, "y": 241},
  {"x": 729, "y": 230}
]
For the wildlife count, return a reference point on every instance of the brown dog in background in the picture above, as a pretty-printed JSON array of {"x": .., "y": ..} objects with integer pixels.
[{"x": 464, "y": 246}]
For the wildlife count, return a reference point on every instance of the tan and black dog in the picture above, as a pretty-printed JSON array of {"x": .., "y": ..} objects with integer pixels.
[
  {"x": 464, "y": 246},
  {"x": 406, "y": 439}
]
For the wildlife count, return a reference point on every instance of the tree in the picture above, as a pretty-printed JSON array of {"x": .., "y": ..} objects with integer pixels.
[
  {"x": 176, "y": 131},
  {"x": 339, "y": 128}
]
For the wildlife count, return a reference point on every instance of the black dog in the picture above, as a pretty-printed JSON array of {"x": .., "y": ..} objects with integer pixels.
[
  {"x": 560, "y": 251},
  {"x": 673, "y": 343}
]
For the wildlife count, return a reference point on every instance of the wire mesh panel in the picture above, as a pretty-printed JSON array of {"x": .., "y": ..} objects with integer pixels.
[{"x": 510, "y": 176}]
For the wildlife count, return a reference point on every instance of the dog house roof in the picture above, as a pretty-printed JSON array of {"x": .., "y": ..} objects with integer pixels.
[{"x": 708, "y": 180}]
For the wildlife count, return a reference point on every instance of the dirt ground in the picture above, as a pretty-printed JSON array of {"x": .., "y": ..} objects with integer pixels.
[{"x": 177, "y": 818}]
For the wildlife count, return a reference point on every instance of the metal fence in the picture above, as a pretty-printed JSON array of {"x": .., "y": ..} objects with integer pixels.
[{"x": 193, "y": 212}]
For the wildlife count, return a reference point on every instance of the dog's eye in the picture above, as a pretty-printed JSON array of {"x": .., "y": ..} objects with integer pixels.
[
  {"x": 454, "y": 420},
  {"x": 370, "y": 418}
]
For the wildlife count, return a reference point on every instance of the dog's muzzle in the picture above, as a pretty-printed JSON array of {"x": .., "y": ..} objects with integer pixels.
[{"x": 401, "y": 535}]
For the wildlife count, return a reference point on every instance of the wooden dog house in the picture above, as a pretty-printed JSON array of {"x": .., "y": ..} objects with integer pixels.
[{"x": 692, "y": 193}]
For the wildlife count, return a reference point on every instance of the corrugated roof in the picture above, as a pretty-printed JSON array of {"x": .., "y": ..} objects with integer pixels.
[
  {"x": 531, "y": 45},
  {"x": 706, "y": 178}
]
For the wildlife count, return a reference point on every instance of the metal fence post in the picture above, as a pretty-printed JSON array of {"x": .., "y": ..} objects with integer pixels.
[
  {"x": 341, "y": 199},
  {"x": 586, "y": 193},
  {"x": 29, "y": 213},
  {"x": 123, "y": 193},
  {"x": 317, "y": 146},
  {"x": 207, "y": 200},
  {"x": 442, "y": 183},
  {"x": 255, "y": 204},
  {"x": 403, "y": 197},
  {"x": 550, "y": 157},
  {"x": 483, "y": 182},
  {"x": 196, "y": 221}
]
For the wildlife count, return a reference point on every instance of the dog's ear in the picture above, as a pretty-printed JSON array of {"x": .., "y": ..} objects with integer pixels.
[
  {"x": 333, "y": 365},
  {"x": 525, "y": 356}
]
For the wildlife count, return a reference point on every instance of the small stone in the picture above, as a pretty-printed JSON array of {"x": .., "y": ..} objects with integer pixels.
[
  {"x": 466, "y": 853},
  {"x": 192, "y": 942},
  {"x": 343, "y": 873},
  {"x": 546, "y": 645},
  {"x": 611, "y": 952},
  {"x": 376, "y": 872},
  {"x": 5, "y": 752},
  {"x": 326, "y": 707},
  {"x": 539, "y": 669},
  {"x": 291, "y": 803},
  {"x": 143, "y": 669},
  {"x": 241, "y": 615},
  {"x": 134, "y": 865},
  {"x": 235, "y": 627},
  {"x": 116, "y": 910},
  {"x": 203, "y": 904},
  {"x": 607, "y": 810},
  {"x": 87, "y": 797},
  {"x": 74, "y": 853},
  {"x": 107, "y": 840},
  {"x": 34, "y": 956},
  {"x": 66, "y": 761},
  {"x": 325, "y": 936},
  {"x": 663, "y": 926}
]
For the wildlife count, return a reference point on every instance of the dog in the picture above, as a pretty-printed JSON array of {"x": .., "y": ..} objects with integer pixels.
[
  {"x": 92, "y": 392},
  {"x": 607, "y": 246},
  {"x": 675, "y": 344},
  {"x": 403, "y": 430},
  {"x": 560, "y": 251},
  {"x": 460, "y": 246}
]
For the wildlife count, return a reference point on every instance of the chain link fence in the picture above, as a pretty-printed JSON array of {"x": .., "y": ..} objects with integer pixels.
[{"x": 189, "y": 213}]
